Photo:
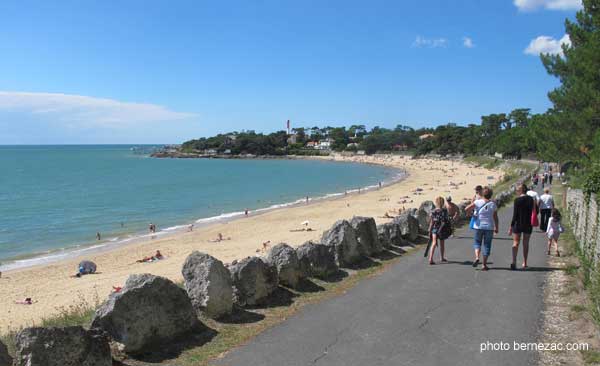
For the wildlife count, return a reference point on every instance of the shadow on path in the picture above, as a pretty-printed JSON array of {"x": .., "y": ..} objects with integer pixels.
[
  {"x": 307, "y": 285},
  {"x": 173, "y": 349},
  {"x": 529, "y": 269},
  {"x": 242, "y": 316},
  {"x": 336, "y": 277},
  {"x": 280, "y": 297}
]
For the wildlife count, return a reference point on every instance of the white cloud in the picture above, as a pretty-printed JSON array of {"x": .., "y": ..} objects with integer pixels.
[
  {"x": 528, "y": 5},
  {"x": 421, "y": 42},
  {"x": 468, "y": 42},
  {"x": 86, "y": 110},
  {"x": 546, "y": 44}
]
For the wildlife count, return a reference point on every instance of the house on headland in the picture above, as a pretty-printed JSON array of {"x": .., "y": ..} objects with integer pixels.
[{"x": 325, "y": 144}]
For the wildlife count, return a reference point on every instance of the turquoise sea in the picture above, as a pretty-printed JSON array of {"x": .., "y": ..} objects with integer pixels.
[{"x": 53, "y": 199}]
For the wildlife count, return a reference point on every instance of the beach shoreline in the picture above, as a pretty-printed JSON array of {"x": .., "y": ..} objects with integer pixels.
[
  {"x": 80, "y": 251},
  {"x": 52, "y": 287}
]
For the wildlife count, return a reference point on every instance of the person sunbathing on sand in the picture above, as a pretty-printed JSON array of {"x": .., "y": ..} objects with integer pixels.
[
  {"x": 27, "y": 301},
  {"x": 156, "y": 257},
  {"x": 303, "y": 229},
  {"x": 220, "y": 238}
]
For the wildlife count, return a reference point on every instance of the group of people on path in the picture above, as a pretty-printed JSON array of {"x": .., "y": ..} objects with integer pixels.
[{"x": 485, "y": 223}]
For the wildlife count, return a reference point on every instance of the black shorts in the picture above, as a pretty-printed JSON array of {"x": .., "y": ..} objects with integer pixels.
[{"x": 522, "y": 230}]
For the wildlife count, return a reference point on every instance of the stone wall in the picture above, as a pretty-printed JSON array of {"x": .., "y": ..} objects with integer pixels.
[{"x": 583, "y": 217}]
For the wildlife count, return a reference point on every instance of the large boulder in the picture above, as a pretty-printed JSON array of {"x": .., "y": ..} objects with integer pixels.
[
  {"x": 366, "y": 235},
  {"x": 317, "y": 260},
  {"x": 390, "y": 232},
  {"x": 5, "y": 359},
  {"x": 208, "y": 284},
  {"x": 70, "y": 346},
  {"x": 253, "y": 281},
  {"x": 285, "y": 260},
  {"x": 148, "y": 311},
  {"x": 423, "y": 214},
  {"x": 383, "y": 234},
  {"x": 342, "y": 238},
  {"x": 428, "y": 206},
  {"x": 408, "y": 226}
]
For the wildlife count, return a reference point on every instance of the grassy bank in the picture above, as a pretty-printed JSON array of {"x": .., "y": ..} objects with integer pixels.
[
  {"x": 581, "y": 290},
  {"x": 511, "y": 169},
  {"x": 236, "y": 330}
]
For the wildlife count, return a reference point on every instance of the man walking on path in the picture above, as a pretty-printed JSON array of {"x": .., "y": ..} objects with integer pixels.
[
  {"x": 453, "y": 212},
  {"x": 546, "y": 206}
]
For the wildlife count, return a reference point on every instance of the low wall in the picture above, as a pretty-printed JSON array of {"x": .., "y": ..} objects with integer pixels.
[{"x": 583, "y": 217}]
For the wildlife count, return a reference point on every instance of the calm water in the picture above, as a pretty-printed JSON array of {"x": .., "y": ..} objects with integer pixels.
[{"x": 58, "y": 197}]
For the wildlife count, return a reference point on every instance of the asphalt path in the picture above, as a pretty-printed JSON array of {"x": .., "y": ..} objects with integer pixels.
[{"x": 417, "y": 314}]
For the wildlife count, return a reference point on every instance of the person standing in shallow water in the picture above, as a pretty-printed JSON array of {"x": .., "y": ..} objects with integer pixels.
[{"x": 520, "y": 225}]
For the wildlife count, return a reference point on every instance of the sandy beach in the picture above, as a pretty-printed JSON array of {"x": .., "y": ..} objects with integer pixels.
[{"x": 52, "y": 287}]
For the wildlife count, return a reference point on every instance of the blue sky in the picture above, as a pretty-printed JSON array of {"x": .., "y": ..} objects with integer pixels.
[{"x": 166, "y": 71}]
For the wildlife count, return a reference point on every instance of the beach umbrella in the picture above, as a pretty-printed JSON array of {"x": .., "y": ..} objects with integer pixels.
[{"x": 88, "y": 266}]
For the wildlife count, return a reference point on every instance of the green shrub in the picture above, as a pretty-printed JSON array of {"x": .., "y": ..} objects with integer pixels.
[{"x": 591, "y": 180}]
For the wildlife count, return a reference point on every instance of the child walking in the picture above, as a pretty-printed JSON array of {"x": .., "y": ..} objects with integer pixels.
[{"x": 554, "y": 230}]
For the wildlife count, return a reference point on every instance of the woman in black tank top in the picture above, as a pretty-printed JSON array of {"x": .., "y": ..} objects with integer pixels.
[{"x": 520, "y": 225}]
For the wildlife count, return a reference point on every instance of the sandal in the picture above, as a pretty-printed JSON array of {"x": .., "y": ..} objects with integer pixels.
[
  {"x": 431, "y": 263},
  {"x": 513, "y": 267},
  {"x": 444, "y": 260},
  {"x": 485, "y": 268},
  {"x": 475, "y": 263}
]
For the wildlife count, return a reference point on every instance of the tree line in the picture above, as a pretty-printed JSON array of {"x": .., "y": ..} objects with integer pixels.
[{"x": 567, "y": 133}]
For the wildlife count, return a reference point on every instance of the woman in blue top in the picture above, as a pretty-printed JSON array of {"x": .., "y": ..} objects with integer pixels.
[{"x": 486, "y": 224}]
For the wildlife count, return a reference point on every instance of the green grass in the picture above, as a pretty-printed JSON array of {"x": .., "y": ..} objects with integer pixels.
[
  {"x": 80, "y": 313},
  {"x": 75, "y": 315},
  {"x": 586, "y": 272},
  {"x": 510, "y": 169},
  {"x": 591, "y": 357},
  {"x": 488, "y": 162},
  {"x": 578, "y": 308},
  {"x": 571, "y": 269}
]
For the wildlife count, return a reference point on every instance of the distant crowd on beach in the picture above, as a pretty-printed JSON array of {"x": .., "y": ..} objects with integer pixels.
[{"x": 530, "y": 210}]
